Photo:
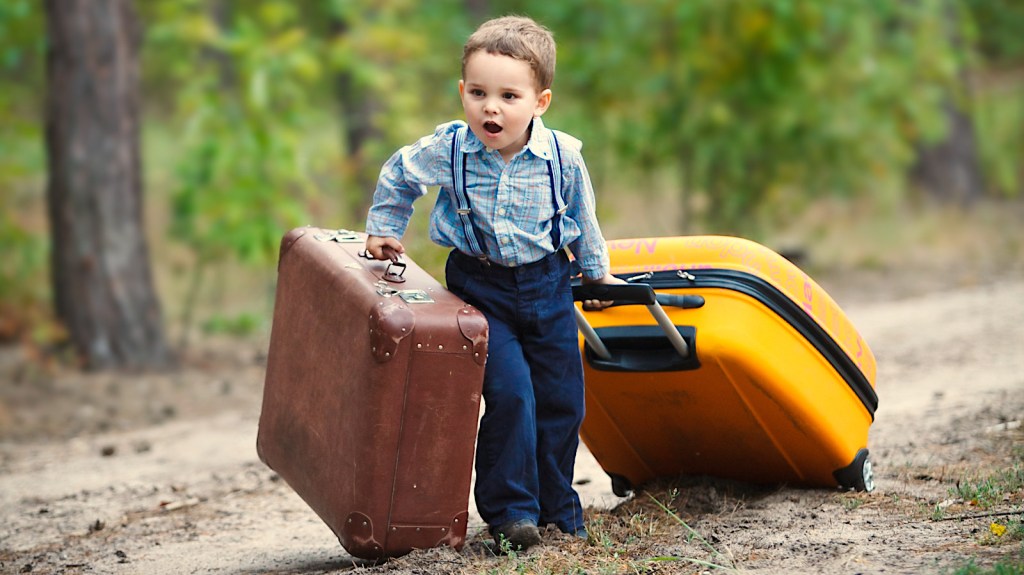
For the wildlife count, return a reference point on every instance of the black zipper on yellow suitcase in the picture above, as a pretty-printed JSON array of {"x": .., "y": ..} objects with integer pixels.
[{"x": 787, "y": 309}]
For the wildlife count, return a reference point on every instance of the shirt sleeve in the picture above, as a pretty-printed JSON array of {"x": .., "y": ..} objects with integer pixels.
[
  {"x": 590, "y": 249},
  {"x": 405, "y": 177}
]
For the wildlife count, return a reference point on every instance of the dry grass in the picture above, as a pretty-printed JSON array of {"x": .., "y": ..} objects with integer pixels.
[
  {"x": 703, "y": 526},
  {"x": 650, "y": 533}
]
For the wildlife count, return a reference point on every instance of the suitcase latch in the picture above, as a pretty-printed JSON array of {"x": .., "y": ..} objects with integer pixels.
[
  {"x": 384, "y": 290},
  {"x": 340, "y": 236},
  {"x": 415, "y": 296},
  {"x": 407, "y": 295}
]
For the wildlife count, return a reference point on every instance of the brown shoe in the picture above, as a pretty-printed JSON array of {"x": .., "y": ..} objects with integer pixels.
[{"x": 521, "y": 535}]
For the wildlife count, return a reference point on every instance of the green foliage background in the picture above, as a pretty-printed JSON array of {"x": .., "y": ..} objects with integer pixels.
[{"x": 748, "y": 109}]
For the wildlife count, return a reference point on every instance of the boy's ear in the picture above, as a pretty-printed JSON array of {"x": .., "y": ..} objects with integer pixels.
[
  {"x": 462, "y": 88},
  {"x": 543, "y": 101}
]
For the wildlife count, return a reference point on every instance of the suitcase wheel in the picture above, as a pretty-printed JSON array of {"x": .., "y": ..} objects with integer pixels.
[
  {"x": 858, "y": 476},
  {"x": 620, "y": 485}
]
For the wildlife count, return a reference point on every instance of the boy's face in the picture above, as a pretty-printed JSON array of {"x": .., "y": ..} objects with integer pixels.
[{"x": 500, "y": 99}]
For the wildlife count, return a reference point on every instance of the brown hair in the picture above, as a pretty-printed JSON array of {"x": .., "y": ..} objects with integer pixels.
[{"x": 517, "y": 37}]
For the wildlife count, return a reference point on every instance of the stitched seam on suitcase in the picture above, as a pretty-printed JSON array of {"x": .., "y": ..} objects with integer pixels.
[{"x": 398, "y": 456}]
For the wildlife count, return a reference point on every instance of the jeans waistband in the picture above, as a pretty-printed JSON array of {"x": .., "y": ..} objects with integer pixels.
[{"x": 488, "y": 268}]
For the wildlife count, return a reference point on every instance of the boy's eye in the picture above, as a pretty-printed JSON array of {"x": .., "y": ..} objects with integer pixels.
[
  {"x": 476, "y": 92},
  {"x": 509, "y": 96}
]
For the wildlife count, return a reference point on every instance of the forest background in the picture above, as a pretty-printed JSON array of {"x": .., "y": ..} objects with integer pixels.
[{"x": 705, "y": 116}]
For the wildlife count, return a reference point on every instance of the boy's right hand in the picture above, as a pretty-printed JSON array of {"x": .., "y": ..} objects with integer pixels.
[
  {"x": 384, "y": 248},
  {"x": 596, "y": 304}
]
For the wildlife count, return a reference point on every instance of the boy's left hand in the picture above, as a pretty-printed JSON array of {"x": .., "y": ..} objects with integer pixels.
[
  {"x": 596, "y": 304},
  {"x": 384, "y": 248}
]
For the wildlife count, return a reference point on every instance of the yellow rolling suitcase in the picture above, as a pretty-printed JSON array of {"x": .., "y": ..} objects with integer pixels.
[{"x": 731, "y": 362}]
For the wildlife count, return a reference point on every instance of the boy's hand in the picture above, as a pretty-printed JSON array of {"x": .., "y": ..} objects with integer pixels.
[
  {"x": 384, "y": 248},
  {"x": 596, "y": 304}
]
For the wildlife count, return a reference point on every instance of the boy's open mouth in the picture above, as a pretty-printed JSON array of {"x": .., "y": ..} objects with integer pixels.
[{"x": 492, "y": 128}]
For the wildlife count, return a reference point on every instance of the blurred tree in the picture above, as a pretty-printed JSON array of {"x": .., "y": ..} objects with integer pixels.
[
  {"x": 24, "y": 292},
  {"x": 997, "y": 79},
  {"x": 999, "y": 25},
  {"x": 749, "y": 109},
  {"x": 220, "y": 12},
  {"x": 758, "y": 105},
  {"x": 949, "y": 169},
  {"x": 102, "y": 282},
  {"x": 396, "y": 65},
  {"x": 358, "y": 106},
  {"x": 477, "y": 10},
  {"x": 245, "y": 73}
]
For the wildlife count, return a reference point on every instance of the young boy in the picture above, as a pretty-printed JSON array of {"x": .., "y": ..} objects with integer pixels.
[{"x": 513, "y": 194}]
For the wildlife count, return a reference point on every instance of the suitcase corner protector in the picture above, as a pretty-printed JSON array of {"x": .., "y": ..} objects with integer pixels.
[
  {"x": 389, "y": 325},
  {"x": 356, "y": 536},
  {"x": 474, "y": 327}
]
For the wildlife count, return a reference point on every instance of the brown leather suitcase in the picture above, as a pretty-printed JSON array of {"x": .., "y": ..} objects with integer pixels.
[{"x": 372, "y": 395}]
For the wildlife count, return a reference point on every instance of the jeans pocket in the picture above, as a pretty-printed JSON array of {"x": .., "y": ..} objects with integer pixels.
[
  {"x": 459, "y": 282},
  {"x": 559, "y": 279}
]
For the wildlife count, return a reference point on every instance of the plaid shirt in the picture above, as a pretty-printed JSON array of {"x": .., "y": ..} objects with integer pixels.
[{"x": 512, "y": 203}]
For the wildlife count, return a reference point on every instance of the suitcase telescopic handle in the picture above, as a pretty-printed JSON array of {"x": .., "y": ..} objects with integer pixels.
[
  {"x": 620, "y": 293},
  {"x": 632, "y": 294},
  {"x": 626, "y": 294}
]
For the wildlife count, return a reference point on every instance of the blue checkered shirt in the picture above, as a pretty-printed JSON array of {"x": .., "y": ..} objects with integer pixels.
[{"x": 512, "y": 203}]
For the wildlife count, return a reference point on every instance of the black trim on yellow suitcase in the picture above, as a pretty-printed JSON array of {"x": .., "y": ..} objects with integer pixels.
[
  {"x": 660, "y": 357},
  {"x": 787, "y": 309}
]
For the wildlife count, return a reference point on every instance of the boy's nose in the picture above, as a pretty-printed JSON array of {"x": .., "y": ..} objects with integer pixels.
[{"x": 490, "y": 106}]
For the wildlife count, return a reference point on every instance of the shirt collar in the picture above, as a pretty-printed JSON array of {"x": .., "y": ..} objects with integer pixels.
[
  {"x": 539, "y": 144},
  {"x": 540, "y": 140}
]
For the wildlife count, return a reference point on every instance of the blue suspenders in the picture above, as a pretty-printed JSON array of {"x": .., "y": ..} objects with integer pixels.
[{"x": 460, "y": 198}]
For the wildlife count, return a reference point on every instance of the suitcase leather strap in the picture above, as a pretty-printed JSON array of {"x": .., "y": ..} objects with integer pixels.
[{"x": 460, "y": 198}]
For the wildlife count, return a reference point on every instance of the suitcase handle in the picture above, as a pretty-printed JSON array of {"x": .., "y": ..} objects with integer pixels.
[
  {"x": 396, "y": 275},
  {"x": 626, "y": 294},
  {"x": 388, "y": 251},
  {"x": 632, "y": 294},
  {"x": 393, "y": 276},
  {"x": 623, "y": 294}
]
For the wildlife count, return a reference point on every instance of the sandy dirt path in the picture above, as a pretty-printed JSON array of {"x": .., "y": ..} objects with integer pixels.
[{"x": 190, "y": 496}]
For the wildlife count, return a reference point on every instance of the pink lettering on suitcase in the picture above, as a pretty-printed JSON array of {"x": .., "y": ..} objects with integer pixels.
[{"x": 649, "y": 245}]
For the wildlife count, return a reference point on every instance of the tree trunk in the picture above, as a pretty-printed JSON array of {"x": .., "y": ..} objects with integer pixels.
[
  {"x": 358, "y": 106},
  {"x": 221, "y": 14},
  {"x": 102, "y": 283},
  {"x": 478, "y": 11},
  {"x": 950, "y": 170}
]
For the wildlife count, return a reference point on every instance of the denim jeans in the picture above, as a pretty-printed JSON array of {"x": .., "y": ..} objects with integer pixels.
[{"x": 533, "y": 390}]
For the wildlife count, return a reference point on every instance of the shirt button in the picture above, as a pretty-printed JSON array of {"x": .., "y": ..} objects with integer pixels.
[
  {"x": 504, "y": 241},
  {"x": 501, "y": 212}
]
